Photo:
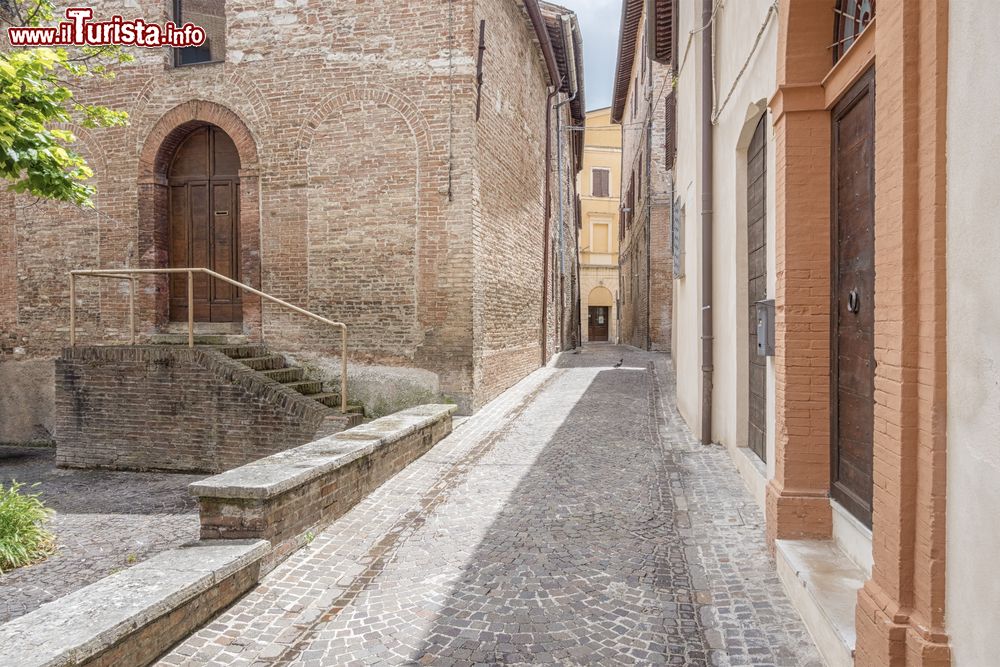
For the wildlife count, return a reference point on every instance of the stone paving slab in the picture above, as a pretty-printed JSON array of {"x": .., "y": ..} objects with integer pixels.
[
  {"x": 105, "y": 521},
  {"x": 574, "y": 520}
]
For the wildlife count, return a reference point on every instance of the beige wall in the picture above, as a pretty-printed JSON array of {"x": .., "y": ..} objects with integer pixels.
[
  {"x": 737, "y": 25},
  {"x": 599, "y": 251},
  {"x": 973, "y": 422}
]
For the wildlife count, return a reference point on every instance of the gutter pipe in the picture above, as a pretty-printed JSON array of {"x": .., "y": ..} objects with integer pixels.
[
  {"x": 566, "y": 24},
  {"x": 538, "y": 23},
  {"x": 707, "y": 197}
]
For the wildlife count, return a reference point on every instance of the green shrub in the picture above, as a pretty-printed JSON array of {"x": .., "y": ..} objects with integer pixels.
[{"x": 23, "y": 538}]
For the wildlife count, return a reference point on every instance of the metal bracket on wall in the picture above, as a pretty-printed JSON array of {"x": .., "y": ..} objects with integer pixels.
[{"x": 479, "y": 66}]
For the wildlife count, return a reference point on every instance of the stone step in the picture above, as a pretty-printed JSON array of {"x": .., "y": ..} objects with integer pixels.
[
  {"x": 306, "y": 387},
  {"x": 240, "y": 352},
  {"x": 328, "y": 398},
  {"x": 199, "y": 339},
  {"x": 332, "y": 399},
  {"x": 285, "y": 375},
  {"x": 270, "y": 362}
]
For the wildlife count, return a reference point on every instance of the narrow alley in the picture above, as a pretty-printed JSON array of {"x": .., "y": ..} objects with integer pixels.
[{"x": 573, "y": 519}]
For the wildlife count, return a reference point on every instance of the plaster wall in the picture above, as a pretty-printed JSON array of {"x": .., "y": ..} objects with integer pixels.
[
  {"x": 973, "y": 590},
  {"x": 740, "y": 100}
]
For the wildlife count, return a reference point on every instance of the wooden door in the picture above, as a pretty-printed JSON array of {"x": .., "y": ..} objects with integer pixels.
[
  {"x": 597, "y": 324},
  {"x": 204, "y": 225},
  {"x": 853, "y": 299},
  {"x": 757, "y": 285}
]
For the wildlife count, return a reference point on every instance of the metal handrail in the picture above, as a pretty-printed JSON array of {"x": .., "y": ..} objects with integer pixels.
[{"x": 129, "y": 275}]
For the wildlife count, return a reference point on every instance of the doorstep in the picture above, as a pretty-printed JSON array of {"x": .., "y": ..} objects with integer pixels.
[{"x": 823, "y": 583}]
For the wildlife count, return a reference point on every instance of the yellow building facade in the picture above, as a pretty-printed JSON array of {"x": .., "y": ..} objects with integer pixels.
[{"x": 599, "y": 186}]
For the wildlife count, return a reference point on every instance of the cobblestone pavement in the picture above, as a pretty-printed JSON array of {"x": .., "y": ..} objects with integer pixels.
[
  {"x": 574, "y": 520},
  {"x": 104, "y": 521}
]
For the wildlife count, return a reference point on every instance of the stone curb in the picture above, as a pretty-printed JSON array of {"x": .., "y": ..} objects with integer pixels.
[
  {"x": 111, "y": 615},
  {"x": 273, "y": 475}
]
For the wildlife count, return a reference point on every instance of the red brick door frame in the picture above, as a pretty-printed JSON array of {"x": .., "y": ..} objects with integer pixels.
[
  {"x": 153, "y": 205},
  {"x": 900, "y": 613}
]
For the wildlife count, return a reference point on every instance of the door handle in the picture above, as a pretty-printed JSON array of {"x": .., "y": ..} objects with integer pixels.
[
  {"x": 853, "y": 301},
  {"x": 222, "y": 212}
]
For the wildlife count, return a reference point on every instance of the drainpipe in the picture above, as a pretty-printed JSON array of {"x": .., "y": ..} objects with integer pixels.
[
  {"x": 707, "y": 146},
  {"x": 548, "y": 55},
  {"x": 566, "y": 25},
  {"x": 545, "y": 235},
  {"x": 649, "y": 213}
]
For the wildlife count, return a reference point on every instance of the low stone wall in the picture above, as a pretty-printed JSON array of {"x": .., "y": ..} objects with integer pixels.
[
  {"x": 173, "y": 408},
  {"x": 27, "y": 401},
  {"x": 134, "y": 616},
  {"x": 281, "y": 497}
]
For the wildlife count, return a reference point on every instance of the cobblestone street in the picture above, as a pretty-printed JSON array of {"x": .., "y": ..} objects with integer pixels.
[
  {"x": 573, "y": 520},
  {"x": 104, "y": 521}
]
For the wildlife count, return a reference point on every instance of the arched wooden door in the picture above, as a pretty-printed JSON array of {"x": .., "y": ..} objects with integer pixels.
[
  {"x": 204, "y": 224},
  {"x": 757, "y": 285}
]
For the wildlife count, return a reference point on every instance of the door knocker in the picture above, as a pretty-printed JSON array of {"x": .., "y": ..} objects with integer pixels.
[{"x": 853, "y": 301}]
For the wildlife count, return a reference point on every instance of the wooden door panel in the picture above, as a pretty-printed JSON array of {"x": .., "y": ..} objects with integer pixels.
[
  {"x": 756, "y": 287},
  {"x": 597, "y": 323},
  {"x": 853, "y": 299},
  {"x": 204, "y": 225},
  {"x": 178, "y": 250}
]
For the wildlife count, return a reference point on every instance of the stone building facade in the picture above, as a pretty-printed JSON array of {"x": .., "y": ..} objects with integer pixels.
[
  {"x": 640, "y": 104},
  {"x": 877, "y": 466},
  {"x": 599, "y": 218},
  {"x": 358, "y": 168}
]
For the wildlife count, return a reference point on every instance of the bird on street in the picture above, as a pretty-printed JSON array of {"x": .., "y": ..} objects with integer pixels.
[{"x": 619, "y": 364}]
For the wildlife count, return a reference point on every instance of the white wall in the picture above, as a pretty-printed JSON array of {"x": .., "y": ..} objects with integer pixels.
[
  {"x": 687, "y": 302},
  {"x": 973, "y": 588},
  {"x": 736, "y": 30}
]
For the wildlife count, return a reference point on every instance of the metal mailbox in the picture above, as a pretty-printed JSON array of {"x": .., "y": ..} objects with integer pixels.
[{"x": 765, "y": 328}]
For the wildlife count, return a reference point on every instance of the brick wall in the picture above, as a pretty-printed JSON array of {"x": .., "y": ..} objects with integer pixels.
[
  {"x": 508, "y": 219},
  {"x": 645, "y": 255},
  {"x": 365, "y": 185},
  {"x": 163, "y": 408}
]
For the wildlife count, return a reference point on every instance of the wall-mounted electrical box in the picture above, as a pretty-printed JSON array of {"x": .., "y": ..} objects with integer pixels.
[{"x": 765, "y": 328}]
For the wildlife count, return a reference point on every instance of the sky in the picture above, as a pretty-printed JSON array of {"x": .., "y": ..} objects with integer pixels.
[{"x": 599, "y": 22}]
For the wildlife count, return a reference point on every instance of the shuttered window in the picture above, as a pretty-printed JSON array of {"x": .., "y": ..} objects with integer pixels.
[
  {"x": 670, "y": 123},
  {"x": 600, "y": 183}
]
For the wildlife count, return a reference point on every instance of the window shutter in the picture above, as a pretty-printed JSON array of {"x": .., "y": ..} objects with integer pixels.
[
  {"x": 671, "y": 128},
  {"x": 602, "y": 183}
]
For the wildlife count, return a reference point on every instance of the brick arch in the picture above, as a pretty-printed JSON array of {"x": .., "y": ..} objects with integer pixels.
[
  {"x": 176, "y": 124},
  {"x": 336, "y": 101},
  {"x": 229, "y": 89},
  {"x": 153, "y": 200}
]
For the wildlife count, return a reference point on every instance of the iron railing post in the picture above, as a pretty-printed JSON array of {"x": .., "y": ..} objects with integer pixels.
[
  {"x": 131, "y": 308},
  {"x": 190, "y": 308},
  {"x": 72, "y": 310},
  {"x": 343, "y": 369}
]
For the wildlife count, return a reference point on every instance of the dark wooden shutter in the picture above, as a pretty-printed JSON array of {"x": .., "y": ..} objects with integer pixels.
[{"x": 670, "y": 124}]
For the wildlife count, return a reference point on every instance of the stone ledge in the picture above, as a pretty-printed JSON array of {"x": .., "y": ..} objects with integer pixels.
[
  {"x": 276, "y": 474},
  {"x": 282, "y": 497},
  {"x": 132, "y": 616},
  {"x": 822, "y": 583}
]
